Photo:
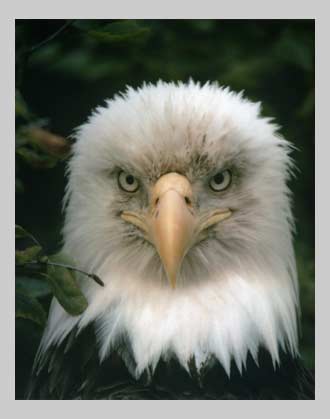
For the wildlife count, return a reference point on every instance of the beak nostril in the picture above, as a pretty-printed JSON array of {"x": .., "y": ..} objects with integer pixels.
[
  {"x": 187, "y": 200},
  {"x": 157, "y": 200}
]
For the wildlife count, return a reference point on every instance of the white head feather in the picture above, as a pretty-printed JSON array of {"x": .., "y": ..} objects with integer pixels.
[{"x": 237, "y": 290}]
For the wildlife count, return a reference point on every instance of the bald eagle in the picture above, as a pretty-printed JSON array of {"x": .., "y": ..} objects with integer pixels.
[{"x": 177, "y": 198}]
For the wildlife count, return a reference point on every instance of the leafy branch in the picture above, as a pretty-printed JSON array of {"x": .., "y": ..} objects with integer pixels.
[
  {"x": 59, "y": 274},
  {"x": 47, "y": 262},
  {"x": 39, "y": 276}
]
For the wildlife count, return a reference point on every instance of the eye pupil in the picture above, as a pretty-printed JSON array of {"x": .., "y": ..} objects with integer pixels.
[
  {"x": 220, "y": 181},
  {"x": 128, "y": 182},
  {"x": 218, "y": 178}
]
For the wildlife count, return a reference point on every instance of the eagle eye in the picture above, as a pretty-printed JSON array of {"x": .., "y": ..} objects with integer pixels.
[
  {"x": 128, "y": 182},
  {"x": 220, "y": 181}
]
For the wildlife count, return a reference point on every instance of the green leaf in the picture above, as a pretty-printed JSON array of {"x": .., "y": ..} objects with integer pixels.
[
  {"x": 21, "y": 108},
  {"x": 20, "y": 138},
  {"x": 20, "y": 232},
  {"x": 112, "y": 32},
  {"x": 36, "y": 160},
  {"x": 32, "y": 287},
  {"x": 66, "y": 290},
  {"x": 87, "y": 24},
  {"x": 27, "y": 255},
  {"x": 63, "y": 258},
  {"x": 27, "y": 307}
]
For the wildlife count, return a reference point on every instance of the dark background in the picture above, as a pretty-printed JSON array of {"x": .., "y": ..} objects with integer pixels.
[{"x": 63, "y": 77}]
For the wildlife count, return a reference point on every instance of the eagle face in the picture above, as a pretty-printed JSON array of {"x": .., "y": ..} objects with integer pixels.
[{"x": 177, "y": 199}]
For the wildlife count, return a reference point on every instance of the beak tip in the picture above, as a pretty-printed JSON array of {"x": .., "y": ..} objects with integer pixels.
[{"x": 172, "y": 280}]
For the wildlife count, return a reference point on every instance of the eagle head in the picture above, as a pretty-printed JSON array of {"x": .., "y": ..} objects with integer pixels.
[{"x": 177, "y": 198}]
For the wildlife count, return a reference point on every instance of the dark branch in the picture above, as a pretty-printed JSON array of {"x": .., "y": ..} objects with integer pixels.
[
  {"x": 51, "y": 37},
  {"x": 71, "y": 268}
]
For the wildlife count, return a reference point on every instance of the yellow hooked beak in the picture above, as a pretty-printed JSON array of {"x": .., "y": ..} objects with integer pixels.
[{"x": 171, "y": 223}]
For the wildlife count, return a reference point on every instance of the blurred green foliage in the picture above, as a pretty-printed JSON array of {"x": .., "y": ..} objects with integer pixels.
[{"x": 66, "y": 68}]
